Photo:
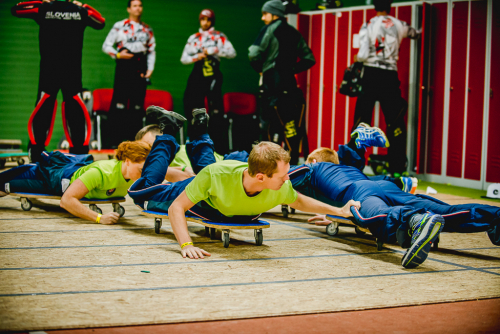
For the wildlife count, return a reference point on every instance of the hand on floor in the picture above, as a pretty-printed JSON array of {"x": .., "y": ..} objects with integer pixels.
[
  {"x": 321, "y": 220},
  {"x": 194, "y": 252}
]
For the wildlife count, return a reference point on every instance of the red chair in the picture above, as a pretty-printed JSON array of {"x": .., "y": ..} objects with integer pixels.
[
  {"x": 102, "y": 104},
  {"x": 241, "y": 109}
]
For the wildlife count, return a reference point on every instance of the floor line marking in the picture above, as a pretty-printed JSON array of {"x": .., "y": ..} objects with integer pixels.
[
  {"x": 196, "y": 262},
  {"x": 231, "y": 284}
]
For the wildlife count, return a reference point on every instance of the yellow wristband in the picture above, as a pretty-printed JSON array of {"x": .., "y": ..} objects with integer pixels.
[
  {"x": 118, "y": 55},
  {"x": 98, "y": 219},
  {"x": 186, "y": 244}
]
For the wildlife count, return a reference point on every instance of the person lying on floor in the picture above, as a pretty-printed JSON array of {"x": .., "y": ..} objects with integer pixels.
[
  {"x": 76, "y": 176},
  {"x": 350, "y": 154},
  {"x": 225, "y": 191}
]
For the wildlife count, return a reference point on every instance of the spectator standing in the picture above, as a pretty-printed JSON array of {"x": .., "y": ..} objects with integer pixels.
[
  {"x": 274, "y": 54},
  {"x": 62, "y": 24},
  {"x": 204, "y": 49},
  {"x": 132, "y": 44},
  {"x": 380, "y": 39}
]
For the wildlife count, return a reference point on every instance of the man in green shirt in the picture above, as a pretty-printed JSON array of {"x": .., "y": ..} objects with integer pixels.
[{"x": 227, "y": 191}]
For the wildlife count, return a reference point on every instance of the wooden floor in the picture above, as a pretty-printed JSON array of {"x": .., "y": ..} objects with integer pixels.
[{"x": 60, "y": 272}]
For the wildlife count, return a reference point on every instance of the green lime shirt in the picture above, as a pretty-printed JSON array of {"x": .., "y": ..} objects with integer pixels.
[
  {"x": 103, "y": 179},
  {"x": 181, "y": 159},
  {"x": 221, "y": 186}
]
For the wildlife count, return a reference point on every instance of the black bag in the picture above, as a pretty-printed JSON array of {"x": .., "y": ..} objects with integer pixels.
[{"x": 352, "y": 83}]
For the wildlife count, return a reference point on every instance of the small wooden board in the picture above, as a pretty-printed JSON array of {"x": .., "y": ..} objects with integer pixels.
[
  {"x": 84, "y": 200},
  {"x": 346, "y": 221},
  {"x": 10, "y": 142},
  {"x": 258, "y": 224}
]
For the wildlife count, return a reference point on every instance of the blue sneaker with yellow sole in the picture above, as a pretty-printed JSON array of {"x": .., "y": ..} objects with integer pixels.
[{"x": 424, "y": 230}]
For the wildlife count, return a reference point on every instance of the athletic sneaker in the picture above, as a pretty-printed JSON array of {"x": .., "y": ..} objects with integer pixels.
[
  {"x": 409, "y": 184},
  {"x": 494, "y": 233},
  {"x": 424, "y": 229},
  {"x": 199, "y": 122},
  {"x": 368, "y": 136},
  {"x": 169, "y": 122}
]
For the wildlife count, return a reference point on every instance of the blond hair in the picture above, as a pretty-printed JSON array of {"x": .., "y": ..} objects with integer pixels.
[
  {"x": 153, "y": 128},
  {"x": 264, "y": 158},
  {"x": 135, "y": 151},
  {"x": 323, "y": 154}
]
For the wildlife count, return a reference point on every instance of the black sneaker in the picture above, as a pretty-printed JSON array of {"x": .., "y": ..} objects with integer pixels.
[
  {"x": 169, "y": 122},
  {"x": 424, "y": 229},
  {"x": 494, "y": 233},
  {"x": 199, "y": 122}
]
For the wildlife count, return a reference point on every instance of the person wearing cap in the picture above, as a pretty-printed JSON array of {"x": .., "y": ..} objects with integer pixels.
[
  {"x": 131, "y": 44},
  {"x": 274, "y": 54},
  {"x": 204, "y": 49}
]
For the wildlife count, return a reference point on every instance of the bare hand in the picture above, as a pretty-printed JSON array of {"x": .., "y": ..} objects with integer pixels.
[
  {"x": 346, "y": 209},
  {"x": 109, "y": 218},
  {"x": 321, "y": 220},
  {"x": 194, "y": 252},
  {"x": 148, "y": 74},
  {"x": 201, "y": 56},
  {"x": 124, "y": 54},
  {"x": 78, "y": 3}
]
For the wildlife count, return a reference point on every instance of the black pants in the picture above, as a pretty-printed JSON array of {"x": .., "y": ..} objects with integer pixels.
[
  {"x": 283, "y": 114},
  {"x": 127, "y": 105},
  {"x": 383, "y": 86},
  {"x": 202, "y": 84},
  {"x": 54, "y": 76}
]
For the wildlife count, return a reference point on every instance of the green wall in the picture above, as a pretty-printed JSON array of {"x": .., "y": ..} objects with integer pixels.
[{"x": 172, "y": 22}]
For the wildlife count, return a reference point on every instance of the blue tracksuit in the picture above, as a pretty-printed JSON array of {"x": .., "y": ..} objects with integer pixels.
[
  {"x": 51, "y": 176},
  {"x": 149, "y": 193},
  {"x": 384, "y": 207}
]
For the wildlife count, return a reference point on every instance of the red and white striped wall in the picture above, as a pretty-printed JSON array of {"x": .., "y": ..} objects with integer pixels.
[{"x": 455, "y": 137}]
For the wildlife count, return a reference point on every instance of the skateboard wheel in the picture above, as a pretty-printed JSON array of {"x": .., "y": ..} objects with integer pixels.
[
  {"x": 359, "y": 231},
  {"x": 26, "y": 204},
  {"x": 380, "y": 245},
  {"x": 332, "y": 229},
  {"x": 207, "y": 231},
  {"x": 259, "y": 237},
  {"x": 292, "y": 211},
  {"x": 118, "y": 209},
  {"x": 212, "y": 233},
  {"x": 435, "y": 244},
  {"x": 157, "y": 225},
  {"x": 284, "y": 210},
  {"x": 225, "y": 238},
  {"x": 95, "y": 208},
  {"x": 20, "y": 161}
]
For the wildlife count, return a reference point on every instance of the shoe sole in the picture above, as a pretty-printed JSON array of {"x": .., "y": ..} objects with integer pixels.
[
  {"x": 156, "y": 109},
  {"x": 417, "y": 253}
]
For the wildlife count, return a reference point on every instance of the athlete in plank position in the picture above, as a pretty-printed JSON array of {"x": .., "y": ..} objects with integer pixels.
[
  {"x": 228, "y": 191},
  {"x": 76, "y": 176}
]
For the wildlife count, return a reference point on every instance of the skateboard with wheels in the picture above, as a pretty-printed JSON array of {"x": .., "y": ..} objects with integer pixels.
[
  {"x": 10, "y": 150},
  {"x": 333, "y": 228},
  {"x": 210, "y": 226},
  {"x": 26, "y": 203}
]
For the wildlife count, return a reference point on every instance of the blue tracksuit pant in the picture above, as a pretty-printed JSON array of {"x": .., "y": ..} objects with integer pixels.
[
  {"x": 384, "y": 207},
  {"x": 150, "y": 194},
  {"x": 51, "y": 176}
]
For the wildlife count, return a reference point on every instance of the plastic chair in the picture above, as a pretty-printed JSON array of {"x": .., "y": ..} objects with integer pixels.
[{"x": 241, "y": 109}]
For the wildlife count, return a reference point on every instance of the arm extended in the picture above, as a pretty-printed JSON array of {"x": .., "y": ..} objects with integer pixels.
[
  {"x": 177, "y": 218},
  {"x": 70, "y": 201},
  {"x": 307, "y": 204}
]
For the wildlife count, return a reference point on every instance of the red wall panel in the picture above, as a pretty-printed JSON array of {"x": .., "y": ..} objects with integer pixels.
[
  {"x": 457, "y": 88},
  {"x": 314, "y": 82},
  {"x": 326, "y": 121},
  {"x": 437, "y": 81},
  {"x": 303, "y": 28},
  {"x": 493, "y": 154},
  {"x": 475, "y": 103},
  {"x": 356, "y": 23},
  {"x": 342, "y": 63}
]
